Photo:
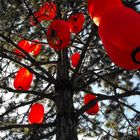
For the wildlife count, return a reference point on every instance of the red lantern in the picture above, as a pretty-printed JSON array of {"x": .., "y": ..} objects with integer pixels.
[
  {"x": 139, "y": 131},
  {"x": 93, "y": 110},
  {"x": 46, "y": 12},
  {"x": 37, "y": 15},
  {"x": 75, "y": 59},
  {"x": 23, "y": 79},
  {"x": 36, "y": 114},
  {"x": 58, "y": 34},
  {"x": 24, "y": 44},
  {"x": 35, "y": 48},
  {"x": 97, "y": 8},
  {"x": 76, "y": 22},
  {"x": 120, "y": 40}
]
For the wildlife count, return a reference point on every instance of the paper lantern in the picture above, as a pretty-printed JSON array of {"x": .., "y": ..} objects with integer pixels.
[
  {"x": 97, "y": 8},
  {"x": 139, "y": 131},
  {"x": 58, "y": 34},
  {"x": 36, "y": 114},
  {"x": 23, "y": 79},
  {"x": 119, "y": 31},
  {"x": 75, "y": 59},
  {"x": 37, "y": 15},
  {"x": 76, "y": 22},
  {"x": 35, "y": 47},
  {"x": 46, "y": 12},
  {"x": 94, "y": 109},
  {"x": 24, "y": 44}
]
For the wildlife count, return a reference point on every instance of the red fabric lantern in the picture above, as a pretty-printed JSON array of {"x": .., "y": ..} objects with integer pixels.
[
  {"x": 58, "y": 34},
  {"x": 23, "y": 79},
  {"x": 97, "y": 8},
  {"x": 46, "y": 12},
  {"x": 24, "y": 44},
  {"x": 139, "y": 131},
  {"x": 35, "y": 48},
  {"x": 75, "y": 59},
  {"x": 37, "y": 15},
  {"x": 120, "y": 40},
  {"x": 36, "y": 114},
  {"x": 93, "y": 110},
  {"x": 76, "y": 22}
]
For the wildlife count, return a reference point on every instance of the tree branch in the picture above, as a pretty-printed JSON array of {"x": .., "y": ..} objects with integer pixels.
[
  {"x": 27, "y": 126},
  {"x": 101, "y": 97}
]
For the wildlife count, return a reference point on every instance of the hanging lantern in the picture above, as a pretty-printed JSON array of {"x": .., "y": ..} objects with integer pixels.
[
  {"x": 24, "y": 44},
  {"x": 120, "y": 40},
  {"x": 76, "y": 22},
  {"x": 36, "y": 114},
  {"x": 23, "y": 79},
  {"x": 139, "y": 131},
  {"x": 75, "y": 59},
  {"x": 93, "y": 110},
  {"x": 118, "y": 56},
  {"x": 35, "y": 48},
  {"x": 37, "y": 15},
  {"x": 58, "y": 34},
  {"x": 97, "y": 8},
  {"x": 46, "y": 12}
]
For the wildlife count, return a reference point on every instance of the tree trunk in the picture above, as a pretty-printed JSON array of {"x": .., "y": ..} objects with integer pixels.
[
  {"x": 66, "y": 124},
  {"x": 66, "y": 121}
]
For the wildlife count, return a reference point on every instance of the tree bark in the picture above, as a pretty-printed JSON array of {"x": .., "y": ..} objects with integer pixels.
[
  {"x": 66, "y": 122},
  {"x": 66, "y": 125}
]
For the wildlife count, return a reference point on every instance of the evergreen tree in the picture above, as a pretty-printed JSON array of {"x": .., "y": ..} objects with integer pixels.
[{"x": 59, "y": 86}]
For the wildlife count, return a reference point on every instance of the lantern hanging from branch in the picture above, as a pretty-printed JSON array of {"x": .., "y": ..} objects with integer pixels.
[
  {"x": 94, "y": 109},
  {"x": 23, "y": 79},
  {"x": 75, "y": 59},
  {"x": 25, "y": 45},
  {"x": 36, "y": 114},
  {"x": 35, "y": 47},
  {"x": 58, "y": 34},
  {"x": 119, "y": 31},
  {"x": 97, "y": 8},
  {"x": 33, "y": 20},
  {"x": 76, "y": 22},
  {"x": 46, "y": 12}
]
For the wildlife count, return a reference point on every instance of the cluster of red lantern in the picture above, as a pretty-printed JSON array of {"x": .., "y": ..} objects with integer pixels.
[
  {"x": 23, "y": 79},
  {"x": 58, "y": 33},
  {"x": 58, "y": 37},
  {"x": 46, "y": 12},
  {"x": 34, "y": 47},
  {"x": 119, "y": 31},
  {"x": 36, "y": 113},
  {"x": 75, "y": 59},
  {"x": 94, "y": 109},
  {"x": 76, "y": 22}
]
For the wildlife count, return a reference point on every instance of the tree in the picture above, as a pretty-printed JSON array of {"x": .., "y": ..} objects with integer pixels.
[{"x": 58, "y": 85}]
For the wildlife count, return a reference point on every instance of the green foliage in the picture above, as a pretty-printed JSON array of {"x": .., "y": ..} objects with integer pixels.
[{"x": 97, "y": 75}]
